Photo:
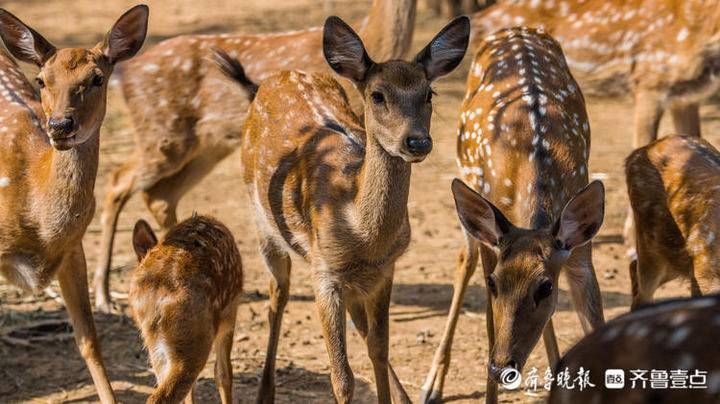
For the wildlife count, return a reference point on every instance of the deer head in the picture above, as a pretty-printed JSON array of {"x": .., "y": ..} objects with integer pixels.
[
  {"x": 397, "y": 94},
  {"x": 523, "y": 284},
  {"x": 73, "y": 81}
]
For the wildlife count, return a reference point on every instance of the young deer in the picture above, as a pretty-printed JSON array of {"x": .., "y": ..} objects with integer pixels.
[
  {"x": 523, "y": 143},
  {"x": 184, "y": 296},
  {"x": 669, "y": 344},
  {"x": 674, "y": 188},
  {"x": 334, "y": 191},
  {"x": 182, "y": 132},
  {"x": 48, "y": 163}
]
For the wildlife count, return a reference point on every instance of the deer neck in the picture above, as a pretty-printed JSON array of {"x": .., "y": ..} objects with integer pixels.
[
  {"x": 388, "y": 29},
  {"x": 381, "y": 202}
]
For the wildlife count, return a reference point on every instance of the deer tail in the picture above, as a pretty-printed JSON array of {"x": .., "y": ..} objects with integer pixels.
[{"x": 232, "y": 68}]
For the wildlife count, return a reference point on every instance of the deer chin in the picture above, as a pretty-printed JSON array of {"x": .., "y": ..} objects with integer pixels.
[{"x": 66, "y": 142}]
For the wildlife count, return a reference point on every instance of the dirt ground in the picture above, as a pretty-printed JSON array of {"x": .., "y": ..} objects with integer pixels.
[{"x": 53, "y": 371}]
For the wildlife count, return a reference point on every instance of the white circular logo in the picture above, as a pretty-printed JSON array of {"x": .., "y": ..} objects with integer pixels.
[{"x": 510, "y": 378}]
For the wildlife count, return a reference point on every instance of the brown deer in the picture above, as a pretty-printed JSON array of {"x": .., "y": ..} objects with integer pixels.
[
  {"x": 669, "y": 345},
  {"x": 183, "y": 131},
  {"x": 674, "y": 188},
  {"x": 184, "y": 295},
  {"x": 49, "y": 159},
  {"x": 523, "y": 144},
  {"x": 665, "y": 52},
  {"x": 334, "y": 190}
]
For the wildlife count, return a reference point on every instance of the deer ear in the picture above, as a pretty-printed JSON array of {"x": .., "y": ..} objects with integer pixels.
[
  {"x": 445, "y": 52},
  {"x": 344, "y": 50},
  {"x": 143, "y": 239},
  {"x": 127, "y": 35},
  {"x": 24, "y": 42},
  {"x": 582, "y": 217},
  {"x": 478, "y": 216}
]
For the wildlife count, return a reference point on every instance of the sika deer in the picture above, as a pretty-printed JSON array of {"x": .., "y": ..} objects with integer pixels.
[
  {"x": 49, "y": 159},
  {"x": 184, "y": 296},
  {"x": 668, "y": 345},
  {"x": 674, "y": 188},
  {"x": 334, "y": 191},
  {"x": 523, "y": 143},
  {"x": 182, "y": 132}
]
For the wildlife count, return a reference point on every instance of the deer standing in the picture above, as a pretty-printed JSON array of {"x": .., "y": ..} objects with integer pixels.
[
  {"x": 334, "y": 191},
  {"x": 49, "y": 160},
  {"x": 523, "y": 143},
  {"x": 183, "y": 131},
  {"x": 674, "y": 188},
  {"x": 666, "y": 53},
  {"x": 667, "y": 344},
  {"x": 184, "y": 295}
]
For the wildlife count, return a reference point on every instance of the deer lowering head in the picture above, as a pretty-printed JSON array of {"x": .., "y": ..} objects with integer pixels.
[{"x": 73, "y": 81}]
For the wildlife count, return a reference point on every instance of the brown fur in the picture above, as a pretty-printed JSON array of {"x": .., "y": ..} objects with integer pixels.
[
  {"x": 184, "y": 296},
  {"x": 182, "y": 132},
  {"x": 674, "y": 188},
  {"x": 671, "y": 337},
  {"x": 666, "y": 52},
  {"x": 47, "y": 177},
  {"x": 523, "y": 144},
  {"x": 334, "y": 191}
]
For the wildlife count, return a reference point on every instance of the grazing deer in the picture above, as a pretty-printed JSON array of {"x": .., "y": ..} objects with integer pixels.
[
  {"x": 184, "y": 296},
  {"x": 48, "y": 163},
  {"x": 523, "y": 143},
  {"x": 669, "y": 345},
  {"x": 182, "y": 132},
  {"x": 334, "y": 191},
  {"x": 667, "y": 52},
  {"x": 674, "y": 188}
]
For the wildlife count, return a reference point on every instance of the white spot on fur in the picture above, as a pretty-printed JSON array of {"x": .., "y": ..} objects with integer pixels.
[{"x": 4, "y": 182}]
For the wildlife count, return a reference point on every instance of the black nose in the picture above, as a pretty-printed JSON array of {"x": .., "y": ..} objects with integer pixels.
[
  {"x": 419, "y": 144},
  {"x": 496, "y": 370},
  {"x": 62, "y": 125}
]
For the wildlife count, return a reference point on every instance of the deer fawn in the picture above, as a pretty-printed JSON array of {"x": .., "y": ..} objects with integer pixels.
[
  {"x": 674, "y": 188},
  {"x": 182, "y": 132},
  {"x": 523, "y": 143},
  {"x": 49, "y": 160},
  {"x": 669, "y": 344},
  {"x": 334, "y": 191},
  {"x": 184, "y": 296}
]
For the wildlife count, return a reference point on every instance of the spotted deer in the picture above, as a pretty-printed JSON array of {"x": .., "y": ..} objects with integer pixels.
[
  {"x": 674, "y": 188},
  {"x": 184, "y": 296},
  {"x": 666, "y": 52},
  {"x": 334, "y": 191},
  {"x": 527, "y": 211},
  {"x": 665, "y": 344},
  {"x": 182, "y": 132},
  {"x": 49, "y": 160}
]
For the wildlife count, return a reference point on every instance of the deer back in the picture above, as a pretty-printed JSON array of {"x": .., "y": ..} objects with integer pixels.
[{"x": 524, "y": 137}]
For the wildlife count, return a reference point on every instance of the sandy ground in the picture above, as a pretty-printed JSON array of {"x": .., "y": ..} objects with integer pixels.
[{"x": 54, "y": 372}]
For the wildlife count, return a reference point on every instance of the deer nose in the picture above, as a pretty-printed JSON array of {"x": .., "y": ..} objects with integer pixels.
[
  {"x": 61, "y": 125},
  {"x": 497, "y": 371},
  {"x": 419, "y": 144}
]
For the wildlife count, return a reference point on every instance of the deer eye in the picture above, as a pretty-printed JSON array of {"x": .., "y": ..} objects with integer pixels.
[
  {"x": 377, "y": 97},
  {"x": 491, "y": 286},
  {"x": 97, "y": 80},
  {"x": 543, "y": 291},
  {"x": 40, "y": 82}
]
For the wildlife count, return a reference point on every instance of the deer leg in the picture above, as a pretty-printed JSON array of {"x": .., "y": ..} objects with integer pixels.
[
  {"x": 120, "y": 189},
  {"x": 686, "y": 119},
  {"x": 378, "y": 340},
  {"x": 551, "y": 346},
  {"x": 178, "y": 384},
  {"x": 645, "y": 275},
  {"x": 223, "y": 350},
  {"x": 331, "y": 309},
  {"x": 431, "y": 390},
  {"x": 278, "y": 263},
  {"x": 489, "y": 260},
  {"x": 584, "y": 288},
  {"x": 72, "y": 276}
]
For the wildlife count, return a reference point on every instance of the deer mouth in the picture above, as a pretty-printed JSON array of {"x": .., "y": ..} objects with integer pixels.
[{"x": 63, "y": 141}]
